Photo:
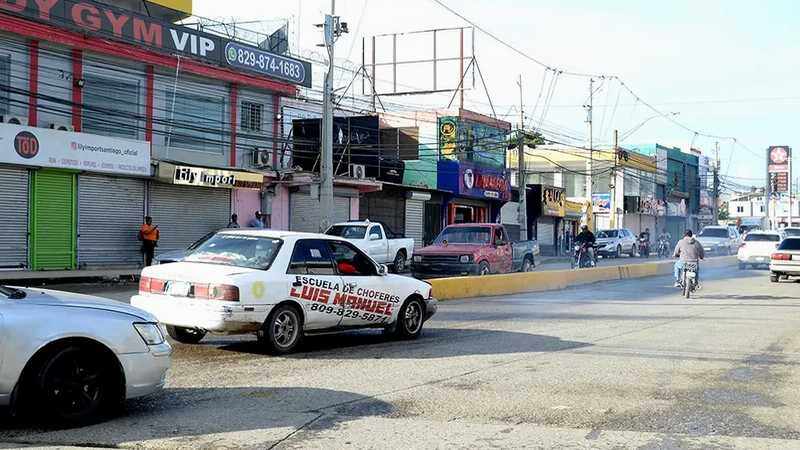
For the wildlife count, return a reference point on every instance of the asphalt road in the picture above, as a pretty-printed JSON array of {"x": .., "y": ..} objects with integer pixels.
[{"x": 618, "y": 364}]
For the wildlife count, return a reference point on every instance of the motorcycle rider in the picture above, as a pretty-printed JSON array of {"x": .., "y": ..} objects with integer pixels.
[
  {"x": 666, "y": 238},
  {"x": 586, "y": 237},
  {"x": 645, "y": 236},
  {"x": 689, "y": 250}
]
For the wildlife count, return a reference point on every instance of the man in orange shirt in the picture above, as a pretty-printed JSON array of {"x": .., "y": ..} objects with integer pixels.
[{"x": 149, "y": 235}]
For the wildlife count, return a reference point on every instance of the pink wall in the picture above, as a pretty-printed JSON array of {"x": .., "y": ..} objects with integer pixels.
[
  {"x": 245, "y": 203},
  {"x": 280, "y": 208},
  {"x": 354, "y": 208}
]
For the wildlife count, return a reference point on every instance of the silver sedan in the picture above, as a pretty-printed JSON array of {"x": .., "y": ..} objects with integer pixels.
[{"x": 81, "y": 356}]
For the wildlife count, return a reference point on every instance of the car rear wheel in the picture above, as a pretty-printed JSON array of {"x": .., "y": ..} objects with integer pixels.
[
  {"x": 633, "y": 250},
  {"x": 410, "y": 319},
  {"x": 527, "y": 264},
  {"x": 742, "y": 266},
  {"x": 399, "y": 264},
  {"x": 186, "y": 335},
  {"x": 773, "y": 277},
  {"x": 282, "y": 331},
  {"x": 75, "y": 384}
]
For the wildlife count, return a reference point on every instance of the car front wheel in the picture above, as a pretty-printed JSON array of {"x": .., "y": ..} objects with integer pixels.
[
  {"x": 282, "y": 331},
  {"x": 410, "y": 319},
  {"x": 185, "y": 335}
]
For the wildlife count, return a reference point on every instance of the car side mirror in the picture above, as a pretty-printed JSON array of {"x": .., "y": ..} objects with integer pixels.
[
  {"x": 383, "y": 270},
  {"x": 498, "y": 242},
  {"x": 374, "y": 237}
]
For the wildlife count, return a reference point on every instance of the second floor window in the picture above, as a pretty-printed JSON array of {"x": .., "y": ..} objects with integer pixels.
[
  {"x": 251, "y": 116},
  {"x": 111, "y": 107},
  {"x": 197, "y": 122}
]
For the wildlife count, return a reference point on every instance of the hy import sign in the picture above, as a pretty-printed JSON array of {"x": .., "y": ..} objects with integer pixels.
[
  {"x": 43, "y": 147},
  {"x": 208, "y": 177}
]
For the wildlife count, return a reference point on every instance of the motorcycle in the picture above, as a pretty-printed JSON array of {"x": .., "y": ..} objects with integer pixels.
[
  {"x": 663, "y": 248},
  {"x": 644, "y": 247},
  {"x": 688, "y": 278},
  {"x": 581, "y": 258}
]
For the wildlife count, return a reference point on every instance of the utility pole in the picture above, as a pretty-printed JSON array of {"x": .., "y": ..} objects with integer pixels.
[
  {"x": 522, "y": 212},
  {"x": 332, "y": 30},
  {"x": 614, "y": 181},
  {"x": 590, "y": 161},
  {"x": 789, "y": 187},
  {"x": 715, "y": 205}
]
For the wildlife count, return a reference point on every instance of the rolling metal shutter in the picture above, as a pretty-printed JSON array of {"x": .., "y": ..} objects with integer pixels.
[
  {"x": 304, "y": 214},
  {"x": 184, "y": 214},
  {"x": 14, "y": 204},
  {"x": 545, "y": 231},
  {"x": 110, "y": 211},
  {"x": 386, "y": 208},
  {"x": 415, "y": 228}
]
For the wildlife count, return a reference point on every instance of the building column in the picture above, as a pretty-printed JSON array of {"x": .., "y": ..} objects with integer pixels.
[
  {"x": 77, "y": 88},
  {"x": 33, "y": 82}
]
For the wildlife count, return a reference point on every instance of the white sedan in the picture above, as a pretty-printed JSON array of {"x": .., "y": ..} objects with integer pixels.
[
  {"x": 280, "y": 285},
  {"x": 757, "y": 248},
  {"x": 785, "y": 261},
  {"x": 79, "y": 356}
]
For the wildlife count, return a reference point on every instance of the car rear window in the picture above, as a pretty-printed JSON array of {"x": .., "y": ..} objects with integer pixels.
[
  {"x": 715, "y": 232},
  {"x": 607, "y": 234},
  {"x": 348, "y": 231},
  {"x": 790, "y": 244},
  {"x": 762, "y": 237},
  {"x": 791, "y": 232},
  {"x": 253, "y": 252},
  {"x": 465, "y": 235}
]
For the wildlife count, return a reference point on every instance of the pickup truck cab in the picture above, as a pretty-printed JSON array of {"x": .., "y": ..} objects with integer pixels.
[
  {"x": 380, "y": 243},
  {"x": 474, "y": 249},
  {"x": 280, "y": 285}
]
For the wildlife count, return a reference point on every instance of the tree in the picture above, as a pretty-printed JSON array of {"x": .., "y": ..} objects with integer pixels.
[{"x": 723, "y": 212}]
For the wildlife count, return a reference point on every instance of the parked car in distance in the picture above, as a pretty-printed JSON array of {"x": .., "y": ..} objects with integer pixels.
[
  {"x": 380, "y": 243},
  {"x": 718, "y": 240},
  {"x": 757, "y": 248},
  {"x": 615, "y": 242},
  {"x": 73, "y": 359},
  {"x": 474, "y": 249},
  {"x": 790, "y": 232},
  {"x": 178, "y": 255},
  {"x": 785, "y": 261},
  {"x": 281, "y": 286}
]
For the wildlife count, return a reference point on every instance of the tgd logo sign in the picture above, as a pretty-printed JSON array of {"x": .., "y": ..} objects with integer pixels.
[{"x": 26, "y": 144}]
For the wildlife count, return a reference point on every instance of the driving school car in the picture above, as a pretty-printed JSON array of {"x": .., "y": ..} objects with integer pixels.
[{"x": 280, "y": 286}]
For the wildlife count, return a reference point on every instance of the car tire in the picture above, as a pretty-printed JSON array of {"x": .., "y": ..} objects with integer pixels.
[
  {"x": 742, "y": 266},
  {"x": 618, "y": 252},
  {"x": 399, "y": 264},
  {"x": 484, "y": 269},
  {"x": 282, "y": 332},
  {"x": 410, "y": 319},
  {"x": 185, "y": 335},
  {"x": 773, "y": 277},
  {"x": 79, "y": 385},
  {"x": 527, "y": 264},
  {"x": 633, "y": 251}
]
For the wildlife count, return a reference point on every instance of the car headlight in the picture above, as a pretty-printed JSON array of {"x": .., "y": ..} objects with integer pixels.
[
  {"x": 465, "y": 259},
  {"x": 417, "y": 258},
  {"x": 150, "y": 333}
]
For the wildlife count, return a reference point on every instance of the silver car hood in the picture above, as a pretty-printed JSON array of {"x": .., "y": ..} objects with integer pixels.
[{"x": 48, "y": 297}]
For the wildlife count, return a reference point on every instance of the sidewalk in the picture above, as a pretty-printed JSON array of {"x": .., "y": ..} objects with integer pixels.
[{"x": 33, "y": 275}]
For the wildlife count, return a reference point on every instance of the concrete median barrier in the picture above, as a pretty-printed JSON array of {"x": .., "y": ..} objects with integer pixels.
[{"x": 516, "y": 283}]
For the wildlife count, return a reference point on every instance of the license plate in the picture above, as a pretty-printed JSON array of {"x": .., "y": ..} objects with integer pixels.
[
  {"x": 708, "y": 249},
  {"x": 795, "y": 257},
  {"x": 178, "y": 288}
]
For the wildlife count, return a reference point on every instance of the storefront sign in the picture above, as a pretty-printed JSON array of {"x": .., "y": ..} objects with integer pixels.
[
  {"x": 44, "y": 147},
  {"x": 482, "y": 182},
  {"x": 778, "y": 168},
  {"x": 601, "y": 203},
  {"x": 553, "y": 199},
  {"x": 207, "y": 177},
  {"x": 94, "y": 18}
]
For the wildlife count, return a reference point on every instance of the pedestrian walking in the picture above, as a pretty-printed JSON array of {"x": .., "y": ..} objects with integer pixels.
[
  {"x": 149, "y": 234},
  {"x": 234, "y": 223},
  {"x": 257, "y": 221}
]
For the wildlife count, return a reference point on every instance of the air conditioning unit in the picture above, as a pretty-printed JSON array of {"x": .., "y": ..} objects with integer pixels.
[
  {"x": 262, "y": 158},
  {"x": 61, "y": 127},
  {"x": 13, "y": 120},
  {"x": 358, "y": 171}
]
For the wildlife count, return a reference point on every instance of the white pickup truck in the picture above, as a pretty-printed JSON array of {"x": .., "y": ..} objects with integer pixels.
[{"x": 383, "y": 245}]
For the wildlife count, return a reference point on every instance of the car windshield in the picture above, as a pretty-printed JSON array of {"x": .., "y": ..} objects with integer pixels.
[
  {"x": 792, "y": 232},
  {"x": 714, "y": 232},
  {"x": 348, "y": 231},
  {"x": 200, "y": 241},
  {"x": 465, "y": 235},
  {"x": 607, "y": 234},
  {"x": 790, "y": 244},
  {"x": 239, "y": 250},
  {"x": 762, "y": 237}
]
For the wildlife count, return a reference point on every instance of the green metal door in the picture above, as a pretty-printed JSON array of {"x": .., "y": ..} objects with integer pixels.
[{"x": 52, "y": 220}]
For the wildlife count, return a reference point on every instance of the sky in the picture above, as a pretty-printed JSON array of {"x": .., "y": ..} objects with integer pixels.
[{"x": 727, "y": 68}]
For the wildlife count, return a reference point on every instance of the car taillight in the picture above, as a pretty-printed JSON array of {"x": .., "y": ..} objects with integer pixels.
[
  {"x": 149, "y": 285},
  {"x": 223, "y": 292},
  {"x": 781, "y": 256}
]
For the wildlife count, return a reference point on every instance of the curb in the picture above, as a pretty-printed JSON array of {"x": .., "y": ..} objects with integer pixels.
[{"x": 517, "y": 283}]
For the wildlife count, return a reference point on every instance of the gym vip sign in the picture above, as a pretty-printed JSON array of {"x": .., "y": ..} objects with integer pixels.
[{"x": 207, "y": 177}]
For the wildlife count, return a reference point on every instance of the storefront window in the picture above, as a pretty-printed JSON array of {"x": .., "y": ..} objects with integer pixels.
[
  {"x": 111, "y": 107},
  {"x": 197, "y": 122}
]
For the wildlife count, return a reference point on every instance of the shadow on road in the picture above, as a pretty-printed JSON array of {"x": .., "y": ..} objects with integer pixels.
[
  {"x": 180, "y": 414},
  {"x": 433, "y": 343}
]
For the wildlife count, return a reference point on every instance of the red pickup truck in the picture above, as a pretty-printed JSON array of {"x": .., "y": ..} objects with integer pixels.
[{"x": 474, "y": 249}]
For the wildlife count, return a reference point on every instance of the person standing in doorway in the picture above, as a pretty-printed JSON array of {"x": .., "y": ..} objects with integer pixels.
[
  {"x": 234, "y": 223},
  {"x": 257, "y": 221},
  {"x": 149, "y": 235}
]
